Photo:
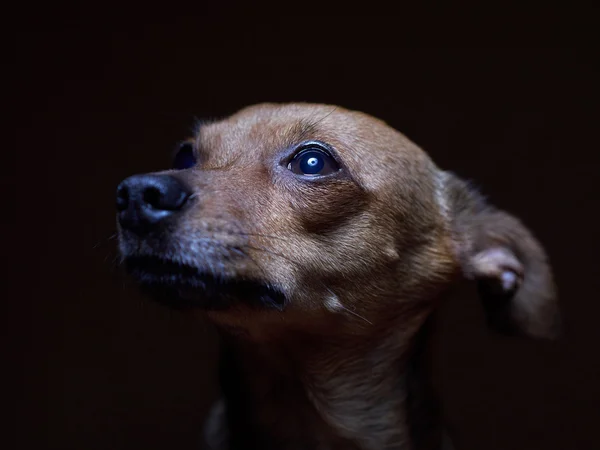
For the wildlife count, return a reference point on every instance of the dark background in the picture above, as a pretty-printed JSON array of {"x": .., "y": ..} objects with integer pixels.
[{"x": 99, "y": 96}]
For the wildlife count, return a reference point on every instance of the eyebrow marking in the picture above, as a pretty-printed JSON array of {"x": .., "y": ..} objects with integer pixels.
[
  {"x": 313, "y": 125},
  {"x": 307, "y": 128},
  {"x": 302, "y": 130}
]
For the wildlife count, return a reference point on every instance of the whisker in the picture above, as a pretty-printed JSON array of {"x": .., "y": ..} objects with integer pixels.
[
  {"x": 312, "y": 126},
  {"x": 318, "y": 121},
  {"x": 105, "y": 240},
  {"x": 354, "y": 313},
  {"x": 252, "y": 260}
]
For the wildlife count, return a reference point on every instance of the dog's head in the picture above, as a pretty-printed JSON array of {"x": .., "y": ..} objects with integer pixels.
[{"x": 312, "y": 215}]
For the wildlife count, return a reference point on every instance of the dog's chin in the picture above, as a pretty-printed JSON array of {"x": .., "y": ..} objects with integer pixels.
[{"x": 182, "y": 286}]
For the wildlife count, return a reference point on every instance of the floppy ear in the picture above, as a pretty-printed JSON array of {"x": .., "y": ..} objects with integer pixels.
[{"x": 508, "y": 264}]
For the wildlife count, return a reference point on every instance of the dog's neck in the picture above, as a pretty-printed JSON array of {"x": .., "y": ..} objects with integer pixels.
[{"x": 308, "y": 391}]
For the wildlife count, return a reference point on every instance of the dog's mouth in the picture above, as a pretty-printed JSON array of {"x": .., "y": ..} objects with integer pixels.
[{"x": 183, "y": 286}]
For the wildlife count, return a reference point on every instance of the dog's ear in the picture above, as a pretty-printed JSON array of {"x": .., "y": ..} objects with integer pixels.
[{"x": 510, "y": 267}]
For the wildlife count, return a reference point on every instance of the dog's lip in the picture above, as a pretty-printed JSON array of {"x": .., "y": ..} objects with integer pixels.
[
  {"x": 180, "y": 284},
  {"x": 156, "y": 270}
]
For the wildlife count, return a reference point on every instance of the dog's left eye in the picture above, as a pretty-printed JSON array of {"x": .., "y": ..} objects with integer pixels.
[
  {"x": 185, "y": 157},
  {"x": 313, "y": 161}
]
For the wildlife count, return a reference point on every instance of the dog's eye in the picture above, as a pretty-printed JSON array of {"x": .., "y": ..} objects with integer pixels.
[
  {"x": 313, "y": 161},
  {"x": 184, "y": 158}
]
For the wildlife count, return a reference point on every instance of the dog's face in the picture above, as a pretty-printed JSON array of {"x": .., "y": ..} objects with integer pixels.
[{"x": 298, "y": 214}]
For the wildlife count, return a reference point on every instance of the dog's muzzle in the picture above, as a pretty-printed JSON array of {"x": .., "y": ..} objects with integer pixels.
[{"x": 180, "y": 271}]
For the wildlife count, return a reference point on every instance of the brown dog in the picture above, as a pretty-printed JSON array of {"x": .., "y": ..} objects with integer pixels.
[{"x": 319, "y": 240}]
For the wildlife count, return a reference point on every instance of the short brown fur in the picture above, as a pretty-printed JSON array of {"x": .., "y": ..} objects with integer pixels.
[{"x": 362, "y": 258}]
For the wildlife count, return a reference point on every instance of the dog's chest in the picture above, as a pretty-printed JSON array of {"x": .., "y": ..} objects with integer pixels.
[
  {"x": 285, "y": 414},
  {"x": 356, "y": 404},
  {"x": 286, "y": 419}
]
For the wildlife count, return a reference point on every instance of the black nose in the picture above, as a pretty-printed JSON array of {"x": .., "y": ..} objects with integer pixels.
[{"x": 145, "y": 200}]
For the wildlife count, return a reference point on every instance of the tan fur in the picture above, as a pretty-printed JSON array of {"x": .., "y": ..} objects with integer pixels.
[{"x": 362, "y": 259}]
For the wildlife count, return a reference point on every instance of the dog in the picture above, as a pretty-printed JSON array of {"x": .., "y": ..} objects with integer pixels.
[{"x": 320, "y": 241}]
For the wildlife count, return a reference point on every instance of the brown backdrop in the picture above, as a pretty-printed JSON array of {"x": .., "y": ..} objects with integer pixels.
[{"x": 97, "y": 367}]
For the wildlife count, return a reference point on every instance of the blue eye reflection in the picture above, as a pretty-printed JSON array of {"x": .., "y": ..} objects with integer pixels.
[
  {"x": 313, "y": 161},
  {"x": 184, "y": 158}
]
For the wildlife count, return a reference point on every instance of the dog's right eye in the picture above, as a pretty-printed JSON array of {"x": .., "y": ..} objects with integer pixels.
[
  {"x": 185, "y": 157},
  {"x": 313, "y": 160}
]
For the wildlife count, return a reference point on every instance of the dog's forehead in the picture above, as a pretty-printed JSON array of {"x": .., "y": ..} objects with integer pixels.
[{"x": 266, "y": 129}]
